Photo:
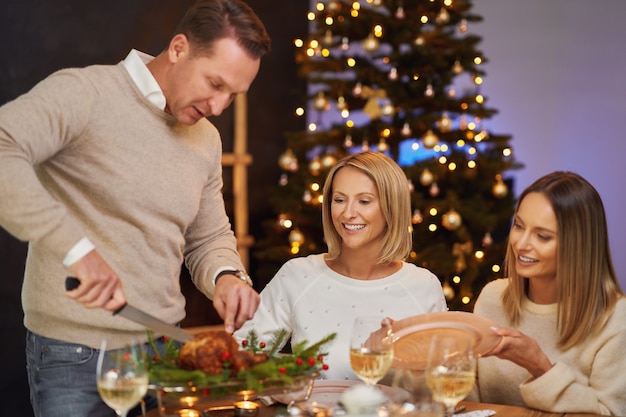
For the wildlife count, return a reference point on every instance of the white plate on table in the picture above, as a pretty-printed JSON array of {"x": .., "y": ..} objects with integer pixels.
[{"x": 328, "y": 391}]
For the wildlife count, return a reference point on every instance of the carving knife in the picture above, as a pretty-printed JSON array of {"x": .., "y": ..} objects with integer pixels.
[{"x": 155, "y": 324}]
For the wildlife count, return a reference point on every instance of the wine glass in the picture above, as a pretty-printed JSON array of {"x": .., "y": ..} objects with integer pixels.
[
  {"x": 122, "y": 376},
  {"x": 371, "y": 348},
  {"x": 410, "y": 396},
  {"x": 450, "y": 369}
]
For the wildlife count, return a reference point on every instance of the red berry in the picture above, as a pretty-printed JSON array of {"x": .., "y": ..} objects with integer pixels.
[
  {"x": 244, "y": 343},
  {"x": 206, "y": 392},
  {"x": 325, "y": 367},
  {"x": 282, "y": 370},
  {"x": 311, "y": 361},
  {"x": 262, "y": 345},
  {"x": 165, "y": 338},
  {"x": 155, "y": 358},
  {"x": 299, "y": 361},
  {"x": 126, "y": 356},
  {"x": 225, "y": 356},
  {"x": 320, "y": 357}
]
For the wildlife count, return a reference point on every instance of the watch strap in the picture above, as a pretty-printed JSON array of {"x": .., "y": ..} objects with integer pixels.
[{"x": 242, "y": 275}]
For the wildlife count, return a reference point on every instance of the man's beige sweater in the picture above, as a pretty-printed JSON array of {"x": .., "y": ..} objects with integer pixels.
[{"x": 84, "y": 154}]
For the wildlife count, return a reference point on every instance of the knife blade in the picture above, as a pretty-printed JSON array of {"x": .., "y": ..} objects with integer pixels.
[{"x": 129, "y": 312}]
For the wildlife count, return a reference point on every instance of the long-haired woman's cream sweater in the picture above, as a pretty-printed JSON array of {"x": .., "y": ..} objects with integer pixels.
[
  {"x": 588, "y": 378},
  {"x": 95, "y": 159}
]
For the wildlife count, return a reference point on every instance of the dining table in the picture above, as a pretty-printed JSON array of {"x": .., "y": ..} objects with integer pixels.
[
  {"x": 222, "y": 408},
  {"x": 500, "y": 411},
  {"x": 516, "y": 411}
]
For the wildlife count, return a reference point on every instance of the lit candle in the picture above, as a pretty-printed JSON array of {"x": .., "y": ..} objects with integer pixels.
[
  {"x": 246, "y": 408},
  {"x": 188, "y": 413},
  {"x": 188, "y": 401}
]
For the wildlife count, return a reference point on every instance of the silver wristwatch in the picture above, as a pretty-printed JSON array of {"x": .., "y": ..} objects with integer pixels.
[{"x": 242, "y": 275}]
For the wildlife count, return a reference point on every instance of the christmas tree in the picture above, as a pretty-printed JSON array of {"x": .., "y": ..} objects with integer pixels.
[{"x": 401, "y": 77}]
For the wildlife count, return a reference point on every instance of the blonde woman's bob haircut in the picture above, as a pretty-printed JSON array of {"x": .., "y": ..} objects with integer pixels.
[
  {"x": 395, "y": 201},
  {"x": 587, "y": 287}
]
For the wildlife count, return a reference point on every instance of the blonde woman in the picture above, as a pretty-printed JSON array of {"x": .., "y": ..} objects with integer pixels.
[
  {"x": 562, "y": 309},
  {"x": 366, "y": 215}
]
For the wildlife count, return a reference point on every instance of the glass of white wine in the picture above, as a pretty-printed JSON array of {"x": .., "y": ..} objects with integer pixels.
[
  {"x": 451, "y": 369},
  {"x": 371, "y": 348},
  {"x": 122, "y": 376}
]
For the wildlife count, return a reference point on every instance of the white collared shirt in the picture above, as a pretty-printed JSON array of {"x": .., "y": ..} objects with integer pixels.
[{"x": 135, "y": 64}]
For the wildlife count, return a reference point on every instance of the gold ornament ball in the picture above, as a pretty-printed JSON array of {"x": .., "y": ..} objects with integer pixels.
[
  {"x": 371, "y": 44},
  {"x": 315, "y": 166},
  {"x": 500, "y": 189},
  {"x": 429, "y": 92},
  {"x": 328, "y": 38},
  {"x": 334, "y": 6},
  {"x": 487, "y": 240},
  {"x": 445, "y": 123},
  {"x": 430, "y": 140},
  {"x": 433, "y": 190},
  {"x": 296, "y": 236},
  {"x": 427, "y": 177},
  {"x": 451, "y": 220},
  {"x": 448, "y": 291},
  {"x": 382, "y": 145},
  {"x": 457, "y": 68},
  {"x": 400, "y": 13},
  {"x": 443, "y": 17},
  {"x": 288, "y": 161},
  {"x": 321, "y": 102},
  {"x": 328, "y": 161},
  {"x": 307, "y": 197},
  {"x": 388, "y": 110},
  {"x": 406, "y": 130}
]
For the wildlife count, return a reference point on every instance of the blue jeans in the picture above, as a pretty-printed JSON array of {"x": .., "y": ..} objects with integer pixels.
[{"x": 62, "y": 379}]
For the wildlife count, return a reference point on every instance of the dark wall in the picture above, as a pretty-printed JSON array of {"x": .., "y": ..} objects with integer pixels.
[{"x": 38, "y": 37}]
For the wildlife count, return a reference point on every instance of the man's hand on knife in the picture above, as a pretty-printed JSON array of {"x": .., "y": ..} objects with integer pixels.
[{"x": 100, "y": 287}]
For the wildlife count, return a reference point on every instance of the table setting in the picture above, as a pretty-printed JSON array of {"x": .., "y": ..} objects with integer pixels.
[{"x": 421, "y": 366}]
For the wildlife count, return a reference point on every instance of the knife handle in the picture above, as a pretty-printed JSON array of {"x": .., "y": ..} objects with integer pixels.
[{"x": 71, "y": 283}]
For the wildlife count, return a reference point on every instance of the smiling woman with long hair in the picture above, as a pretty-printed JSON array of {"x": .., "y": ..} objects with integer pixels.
[{"x": 562, "y": 309}]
